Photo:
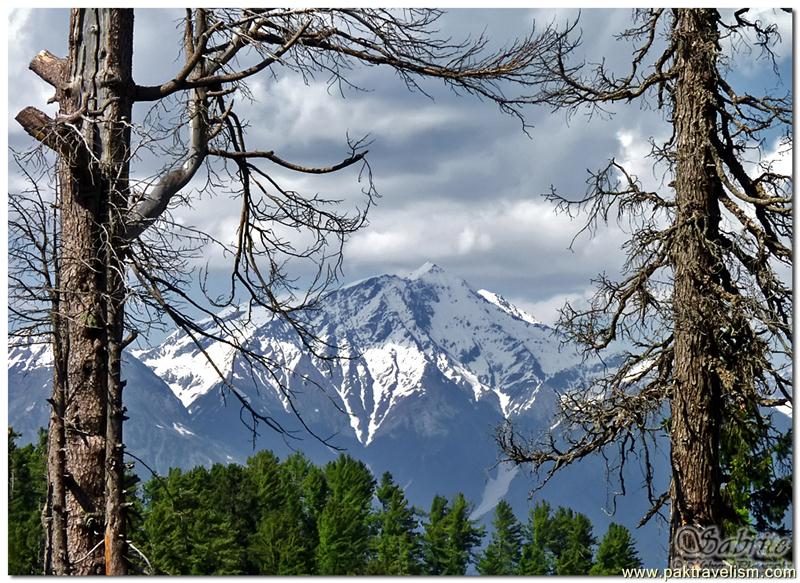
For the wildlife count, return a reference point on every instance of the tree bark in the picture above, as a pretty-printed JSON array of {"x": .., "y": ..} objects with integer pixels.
[
  {"x": 94, "y": 176},
  {"x": 696, "y": 400},
  {"x": 55, "y": 528}
]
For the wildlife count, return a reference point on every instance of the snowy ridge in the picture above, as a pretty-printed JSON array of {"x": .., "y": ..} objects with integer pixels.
[{"x": 507, "y": 306}]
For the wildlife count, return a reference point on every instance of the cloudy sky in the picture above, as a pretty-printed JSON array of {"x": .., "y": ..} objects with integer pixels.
[{"x": 461, "y": 184}]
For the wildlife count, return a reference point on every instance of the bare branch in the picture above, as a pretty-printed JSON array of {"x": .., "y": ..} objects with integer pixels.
[
  {"x": 291, "y": 166},
  {"x": 40, "y": 126},
  {"x": 50, "y": 68}
]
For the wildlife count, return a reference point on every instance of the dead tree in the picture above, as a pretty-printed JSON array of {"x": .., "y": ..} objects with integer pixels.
[
  {"x": 115, "y": 242},
  {"x": 704, "y": 299}
]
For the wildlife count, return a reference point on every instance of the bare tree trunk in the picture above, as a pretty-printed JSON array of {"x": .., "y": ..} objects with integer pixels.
[
  {"x": 696, "y": 399},
  {"x": 115, "y": 535},
  {"x": 93, "y": 187},
  {"x": 115, "y": 162},
  {"x": 55, "y": 528},
  {"x": 115, "y": 545}
]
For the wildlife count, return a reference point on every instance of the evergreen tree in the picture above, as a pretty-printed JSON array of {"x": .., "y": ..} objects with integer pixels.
[
  {"x": 502, "y": 555},
  {"x": 184, "y": 534},
  {"x": 305, "y": 483},
  {"x": 217, "y": 533},
  {"x": 265, "y": 553},
  {"x": 575, "y": 556},
  {"x": 26, "y": 493},
  {"x": 263, "y": 476},
  {"x": 279, "y": 545},
  {"x": 449, "y": 537},
  {"x": 559, "y": 525},
  {"x": 309, "y": 481},
  {"x": 286, "y": 534},
  {"x": 313, "y": 487},
  {"x": 397, "y": 545},
  {"x": 462, "y": 537},
  {"x": 434, "y": 537},
  {"x": 229, "y": 491},
  {"x": 344, "y": 532},
  {"x": 615, "y": 552},
  {"x": 216, "y": 548},
  {"x": 535, "y": 559},
  {"x": 165, "y": 530}
]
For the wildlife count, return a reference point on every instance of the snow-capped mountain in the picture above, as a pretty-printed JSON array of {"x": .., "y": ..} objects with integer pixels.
[
  {"x": 393, "y": 332},
  {"x": 430, "y": 367}
]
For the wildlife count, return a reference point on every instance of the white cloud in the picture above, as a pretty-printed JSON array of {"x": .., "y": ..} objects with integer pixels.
[
  {"x": 634, "y": 156},
  {"x": 469, "y": 240},
  {"x": 17, "y": 32},
  {"x": 779, "y": 157},
  {"x": 376, "y": 245}
]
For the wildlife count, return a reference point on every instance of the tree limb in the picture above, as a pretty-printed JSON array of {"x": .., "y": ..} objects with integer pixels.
[{"x": 286, "y": 164}]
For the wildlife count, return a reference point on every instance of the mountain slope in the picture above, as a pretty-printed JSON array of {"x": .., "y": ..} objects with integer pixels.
[{"x": 159, "y": 430}]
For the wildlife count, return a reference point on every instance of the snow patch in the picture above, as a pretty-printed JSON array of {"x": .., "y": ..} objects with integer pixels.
[
  {"x": 29, "y": 356},
  {"x": 495, "y": 489},
  {"x": 186, "y": 370},
  {"x": 181, "y": 429}
]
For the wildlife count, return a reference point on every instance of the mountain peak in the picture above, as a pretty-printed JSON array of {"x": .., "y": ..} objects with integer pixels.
[{"x": 425, "y": 269}]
